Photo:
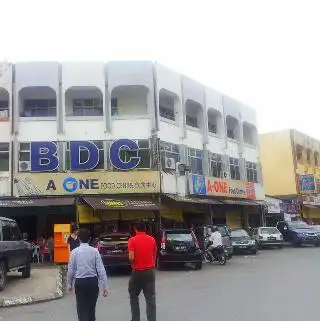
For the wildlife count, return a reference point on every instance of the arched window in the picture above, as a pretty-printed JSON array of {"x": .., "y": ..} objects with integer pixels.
[
  {"x": 84, "y": 101},
  {"x": 233, "y": 131},
  {"x": 38, "y": 101},
  {"x": 194, "y": 114}
]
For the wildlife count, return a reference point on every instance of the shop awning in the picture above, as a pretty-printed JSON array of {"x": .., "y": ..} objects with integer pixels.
[
  {"x": 311, "y": 206},
  {"x": 241, "y": 202},
  {"x": 107, "y": 203},
  {"x": 54, "y": 201},
  {"x": 191, "y": 199}
]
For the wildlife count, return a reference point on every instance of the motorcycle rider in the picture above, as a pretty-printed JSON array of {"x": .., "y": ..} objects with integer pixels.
[{"x": 215, "y": 242}]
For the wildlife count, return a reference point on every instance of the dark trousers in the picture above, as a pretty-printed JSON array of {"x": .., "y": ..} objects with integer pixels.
[
  {"x": 143, "y": 281},
  {"x": 87, "y": 291}
]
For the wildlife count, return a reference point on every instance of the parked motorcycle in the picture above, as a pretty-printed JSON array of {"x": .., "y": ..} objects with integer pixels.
[{"x": 219, "y": 255}]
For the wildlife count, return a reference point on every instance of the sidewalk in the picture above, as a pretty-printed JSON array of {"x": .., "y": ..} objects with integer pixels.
[{"x": 45, "y": 284}]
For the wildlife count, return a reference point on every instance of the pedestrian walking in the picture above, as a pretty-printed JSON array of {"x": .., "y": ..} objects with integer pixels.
[
  {"x": 85, "y": 270},
  {"x": 142, "y": 254}
]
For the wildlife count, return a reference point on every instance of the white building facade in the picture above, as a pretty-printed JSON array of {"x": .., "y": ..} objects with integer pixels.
[
  {"x": 153, "y": 130},
  {"x": 210, "y": 135}
]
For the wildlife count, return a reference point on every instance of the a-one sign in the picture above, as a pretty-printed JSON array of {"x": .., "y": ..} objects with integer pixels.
[
  {"x": 34, "y": 184},
  {"x": 202, "y": 185},
  {"x": 44, "y": 155}
]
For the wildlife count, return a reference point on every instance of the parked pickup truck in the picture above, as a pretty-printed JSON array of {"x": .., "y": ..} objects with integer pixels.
[{"x": 14, "y": 251}]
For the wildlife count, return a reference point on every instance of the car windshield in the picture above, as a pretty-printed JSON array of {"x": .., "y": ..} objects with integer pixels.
[
  {"x": 298, "y": 225},
  {"x": 182, "y": 237},
  {"x": 269, "y": 230},
  {"x": 239, "y": 233},
  {"x": 223, "y": 230}
]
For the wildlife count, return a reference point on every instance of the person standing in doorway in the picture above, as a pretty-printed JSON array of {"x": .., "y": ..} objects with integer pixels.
[
  {"x": 142, "y": 254},
  {"x": 85, "y": 270},
  {"x": 73, "y": 239}
]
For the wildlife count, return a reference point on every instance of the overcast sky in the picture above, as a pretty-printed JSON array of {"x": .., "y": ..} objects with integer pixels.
[{"x": 263, "y": 53}]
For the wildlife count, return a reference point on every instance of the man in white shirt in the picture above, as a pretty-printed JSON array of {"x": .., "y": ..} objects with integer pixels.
[
  {"x": 85, "y": 270},
  {"x": 215, "y": 241}
]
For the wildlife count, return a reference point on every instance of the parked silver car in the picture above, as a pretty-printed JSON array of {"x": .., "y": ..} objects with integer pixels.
[{"x": 267, "y": 237}]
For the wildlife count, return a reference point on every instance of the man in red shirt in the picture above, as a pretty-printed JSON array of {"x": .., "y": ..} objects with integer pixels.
[{"x": 142, "y": 254}]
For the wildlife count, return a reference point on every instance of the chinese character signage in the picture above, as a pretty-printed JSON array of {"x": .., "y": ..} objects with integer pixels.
[
  {"x": 86, "y": 183},
  {"x": 307, "y": 183},
  {"x": 202, "y": 185},
  {"x": 290, "y": 208}
]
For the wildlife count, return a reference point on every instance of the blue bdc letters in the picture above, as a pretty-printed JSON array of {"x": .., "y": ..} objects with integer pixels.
[{"x": 44, "y": 155}]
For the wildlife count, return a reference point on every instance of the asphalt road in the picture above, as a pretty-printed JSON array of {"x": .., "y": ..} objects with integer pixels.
[{"x": 275, "y": 285}]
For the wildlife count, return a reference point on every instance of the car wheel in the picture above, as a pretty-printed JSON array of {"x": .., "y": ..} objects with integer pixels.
[
  {"x": 254, "y": 252},
  {"x": 26, "y": 271},
  {"x": 317, "y": 244},
  {"x": 280, "y": 247},
  {"x": 296, "y": 244},
  {"x": 3, "y": 275},
  {"x": 198, "y": 266}
]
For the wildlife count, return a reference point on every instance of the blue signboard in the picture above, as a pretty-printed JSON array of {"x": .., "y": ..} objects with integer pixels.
[
  {"x": 199, "y": 185},
  {"x": 307, "y": 183},
  {"x": 44, "y": 155}
]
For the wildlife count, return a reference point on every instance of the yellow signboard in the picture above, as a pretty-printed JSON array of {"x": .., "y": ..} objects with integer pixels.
[{"x": 31, "y": 184}]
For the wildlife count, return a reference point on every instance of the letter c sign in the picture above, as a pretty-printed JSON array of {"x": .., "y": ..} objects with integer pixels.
[{"x": 115, "y": 150}]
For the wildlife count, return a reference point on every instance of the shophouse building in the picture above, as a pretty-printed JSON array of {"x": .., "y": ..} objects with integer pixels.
[
  {"x": 291, "y": 172},
  {"x": 118, "y": 141}
]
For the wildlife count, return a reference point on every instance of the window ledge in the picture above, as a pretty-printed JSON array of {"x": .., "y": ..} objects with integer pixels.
[
  {"x": 169, "y": 121},
  {"x": 84, "y": 118},
  {"x": 130, "y": 117},
  {"x": 250, "y": 145},
  {"x": 231, "y": 140},
  {"x": 195, "y": 129},
  {"x": 28, "y": 119},
  {"x": 214, "y": 135}
]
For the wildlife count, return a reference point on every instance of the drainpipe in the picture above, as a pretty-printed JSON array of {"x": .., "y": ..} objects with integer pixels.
[
  {"x": 155, "y": 116},
  {"x": 60, "y": 110},
  {"x": 224, "y": 124},
  {"x": 13, "y": 116},
  {"x": 183, "y": 111},
  {"x": 294, "y": 156},
  {"x": 107, "y": 103}
]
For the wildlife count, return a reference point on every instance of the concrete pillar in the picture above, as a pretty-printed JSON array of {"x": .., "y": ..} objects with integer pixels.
[
  {"x": 208, "y": 216},
  {"x": 244, "y": 218},
  {"x": 41, "y": 224}
]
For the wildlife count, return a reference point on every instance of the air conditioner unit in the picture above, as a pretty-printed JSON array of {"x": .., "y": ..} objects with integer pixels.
[
  {"x": 225, "y": 175},
  {"x": 182, "y": 168},
  {"x": 24, "y": 166},
  {"x": 170, "y": 163}
]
